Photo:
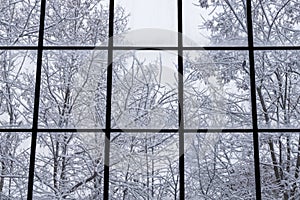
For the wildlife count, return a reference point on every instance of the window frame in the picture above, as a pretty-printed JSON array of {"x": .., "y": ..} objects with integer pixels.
[{"x": 181, "y": 130}]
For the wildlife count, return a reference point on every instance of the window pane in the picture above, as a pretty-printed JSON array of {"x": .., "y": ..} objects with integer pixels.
[
  {"x": 278, "y": 88},
  {"x": 151, "y": 23},
  {"x": 76, "y": 22},
  {"x": 14, "y": 156},
  {"x": 19, "y": 22},
  {"x": 73, "y": 89},
  {"x": 144, "y": 166},
  {"x": 69, "y": 166},
  {"x": 216, "y": 89},
  {"x": 279, "y": 165},
  {"x": 276, "y": 22},
  {"x": 145, "y": 90},
  {"x": 214, "y": 23},
  {"x": 17, "y": 84},
  {"x": 219, "y": 166}
]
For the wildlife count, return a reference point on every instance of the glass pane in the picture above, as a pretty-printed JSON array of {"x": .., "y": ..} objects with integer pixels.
[
  {"x": 150, "y": 23},
  {"x": 276, "y": 22},
  {"x": 279, "y": 165},
  {"x": 17, "y": 84},
  {"x": 217, "y": 89},
  {"x": 19, "y": 22},
  {"x": 73, "y": 92},
  {"x": 145, "y": 90},
  {"x": 278, "y": 88},
  {"x": 219, "y": 166},
  {"x": 214, "y": 23},
  {"x": 77, "y": 22},
  {"x": 144, "y": 166},
  {"x": 69, "y": 166},
  {"x": 14, "y": 157}
]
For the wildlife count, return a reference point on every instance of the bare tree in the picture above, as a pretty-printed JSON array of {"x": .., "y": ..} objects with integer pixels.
[{"x": 277, "y": 82}]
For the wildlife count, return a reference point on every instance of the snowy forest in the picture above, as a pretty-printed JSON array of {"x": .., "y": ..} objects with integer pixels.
[{"x": 145, "y": 95}]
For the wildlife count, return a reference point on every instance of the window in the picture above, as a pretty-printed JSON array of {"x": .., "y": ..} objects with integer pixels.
[{"x": 140, "y": 99}]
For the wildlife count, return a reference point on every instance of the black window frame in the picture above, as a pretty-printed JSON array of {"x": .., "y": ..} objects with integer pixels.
[{"x": 250, "y": 48}]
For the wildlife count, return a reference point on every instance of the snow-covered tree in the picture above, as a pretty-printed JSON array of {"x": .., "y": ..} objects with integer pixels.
[
  {"x": 18, "y": 26},
  {"x": 277, "y": 83},
  {"x": 73, "y": 93}
]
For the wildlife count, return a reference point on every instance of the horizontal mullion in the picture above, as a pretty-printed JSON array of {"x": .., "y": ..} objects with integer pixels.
[
  {"x": 15, "y": 130},
  {"x": 278, "y": 130},
  {"x": 152, "y": 48},
  {"x": 125, "y": 48},
  {"x": 145, "y": 48},
  {"x": 151, "y": 130},
  {"x": 241, "y": 48},
  {"x": 264, "y": 48},
  {"x": 216, "y": 48},
  {"x": 196, "y": 48},
  {"x": 121, "y": 48},
  {"x": 18, "y": 47}
]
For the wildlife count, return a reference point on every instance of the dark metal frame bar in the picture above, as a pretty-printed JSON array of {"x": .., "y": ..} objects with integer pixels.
[
  {"x": 155, "y": 48},
  {"x": 253, "y": 101},
  {"x": 108, "y": 101},
  {"x": 116, "y": 130},
  {"x": 36, "y": 100},
  {"x": 180, "y": 100},
  {"x": 181, "y": 130}
]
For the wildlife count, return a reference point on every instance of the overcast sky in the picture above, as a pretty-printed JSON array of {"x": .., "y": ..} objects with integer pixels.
[{"x": 162, "y": 14}]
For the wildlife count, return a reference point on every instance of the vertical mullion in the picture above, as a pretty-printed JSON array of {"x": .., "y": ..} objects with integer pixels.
[
  {"x": 36, "y": 100},
  {"x": 253, "y": 100},
  {"x": 180, "y": 101},
  {"x": 108, "y": 101}
]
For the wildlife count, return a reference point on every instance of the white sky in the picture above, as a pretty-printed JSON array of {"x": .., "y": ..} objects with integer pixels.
[
  {"x": 148, "y": 15},
  {"x": 162, "y": 14}
]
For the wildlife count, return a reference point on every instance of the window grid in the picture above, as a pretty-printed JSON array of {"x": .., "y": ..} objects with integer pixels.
[{"x": 181, "y": 130}]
